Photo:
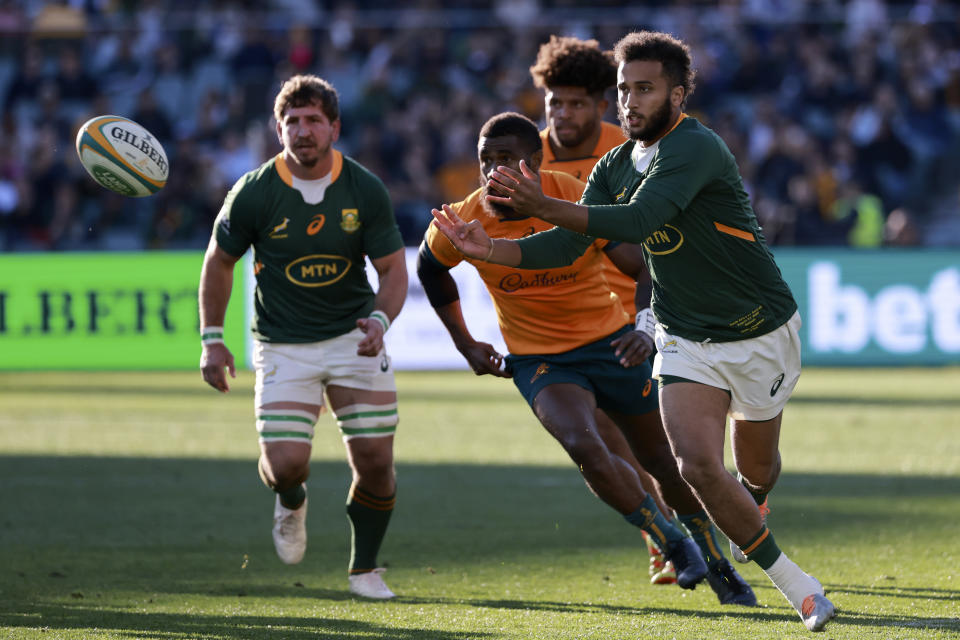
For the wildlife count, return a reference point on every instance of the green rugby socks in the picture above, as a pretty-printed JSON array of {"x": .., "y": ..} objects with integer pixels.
[
  {"x": 758, "y": 496},
  {"x": 649, "y": 518},
  {"x": 369, "y": 516},
  {"x": 703, "y": 533}
]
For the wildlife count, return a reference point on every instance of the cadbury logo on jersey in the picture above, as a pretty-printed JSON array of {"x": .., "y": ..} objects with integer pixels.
[
  {"x": 317, "y": 270},
  {"x": 664, "y": 240}
]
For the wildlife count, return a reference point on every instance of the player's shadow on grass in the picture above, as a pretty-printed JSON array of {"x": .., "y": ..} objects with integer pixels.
[
  {"x": 746, "y": 613},
  {"x": 183, "y": 527},
  {"x": 141, "y": 624}
]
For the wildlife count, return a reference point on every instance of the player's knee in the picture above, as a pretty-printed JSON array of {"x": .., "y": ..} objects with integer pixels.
[
  {"x": 281, "y": 473},
  {"x": 371, "y": 458},
  {"x": 698, "y": 471},
  {"x": 583, "y": 446}
]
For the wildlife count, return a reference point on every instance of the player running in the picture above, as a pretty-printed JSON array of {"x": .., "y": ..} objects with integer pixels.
[
  {"x": 572, "y": 351},
  {"x": 311, "y": 215},
  {"x": 727, "y": 323},
  {"x": 574, "y": 75}
]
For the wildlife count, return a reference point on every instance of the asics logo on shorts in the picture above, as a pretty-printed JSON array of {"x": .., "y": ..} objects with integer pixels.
[
  {"x": 384, "y": 363},
  {"x": 647, "y": 386},
  {"x": 776, "y": 385}
]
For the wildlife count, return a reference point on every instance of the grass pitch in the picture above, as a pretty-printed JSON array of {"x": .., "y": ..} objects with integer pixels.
[{"x": 131, "y": 508}]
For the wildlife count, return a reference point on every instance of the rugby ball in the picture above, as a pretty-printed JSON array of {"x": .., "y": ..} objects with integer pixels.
[{"x": 122, "y": 156}]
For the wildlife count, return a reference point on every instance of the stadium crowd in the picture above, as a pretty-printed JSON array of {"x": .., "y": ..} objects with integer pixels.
[{"x": 844, "y": 116}]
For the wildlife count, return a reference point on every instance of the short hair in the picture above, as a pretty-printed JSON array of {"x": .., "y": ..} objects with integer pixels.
[
  {"x": 511, "y": 123},
  {"x": 571, "y": 62},
  {"x": 660, "y": 47},
  {"x": 304, "y": 90}
]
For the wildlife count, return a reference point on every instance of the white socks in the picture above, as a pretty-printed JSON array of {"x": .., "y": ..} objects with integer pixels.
[{"x": 792, "y": 581}]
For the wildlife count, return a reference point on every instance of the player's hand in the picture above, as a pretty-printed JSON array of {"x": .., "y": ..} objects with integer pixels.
[
  {"x": 469, "y": 238},
  {"x": 520, "y": 191},
  {"x": 213, "y": 360},
  {"x": 483, "y": 359},
  {"x": 632, "y": 348},
  {"x": 372, "y": 341}
]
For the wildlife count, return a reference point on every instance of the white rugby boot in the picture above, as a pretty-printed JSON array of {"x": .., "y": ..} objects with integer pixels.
[
  {"x": 290, "y": 532},
  {"x": 370, "y": 585}
]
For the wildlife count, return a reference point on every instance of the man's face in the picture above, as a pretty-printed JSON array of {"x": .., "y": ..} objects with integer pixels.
[
  {"x": 307, "y": 134},
  {"x": 645, "y": 101},
  {"x": 572, "y": 114},
  {"x": 506, "y": 151}
]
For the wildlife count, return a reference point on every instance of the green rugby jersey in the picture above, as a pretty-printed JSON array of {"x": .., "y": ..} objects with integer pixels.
[
  {"x": 713, "y": 276},
  {"x": 308, "y": 258}
]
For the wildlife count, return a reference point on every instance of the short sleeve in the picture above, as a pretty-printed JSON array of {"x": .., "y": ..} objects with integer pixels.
[
  {"x": 381, "y": 234},
  {"x": 235, "y": 227},
  {"x": 441, "y": 248}
]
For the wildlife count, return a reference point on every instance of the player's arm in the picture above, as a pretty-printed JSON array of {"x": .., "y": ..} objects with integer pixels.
[
  {"x": 441, "y": 290},
  {"x": 391, "y": 294},
  {"x": 547, "y": 249},
  {"x": 216, "y": 283},
  {"x": 636, "y": 346}
]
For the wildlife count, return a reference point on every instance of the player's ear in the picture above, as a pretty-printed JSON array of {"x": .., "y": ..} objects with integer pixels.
[
  {"x": 335, "y": 133},
  {"x": 677, "y": 94},
  {"x": 602, "y": 105},
  {"x": 280, "y": 132},
  {"x": 536, "y": 158}
]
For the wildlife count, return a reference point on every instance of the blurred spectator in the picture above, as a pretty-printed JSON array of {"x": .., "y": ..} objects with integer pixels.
[
  {"x": 836, "y": 112},
  {"x": 900, "y": 229}
]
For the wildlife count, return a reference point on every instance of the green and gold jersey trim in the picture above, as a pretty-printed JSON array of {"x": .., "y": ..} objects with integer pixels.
[{"x": 284, "y": 171}]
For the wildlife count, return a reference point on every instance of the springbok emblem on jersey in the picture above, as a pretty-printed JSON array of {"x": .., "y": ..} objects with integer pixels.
[
  {"x": 349, "y": 220},
  {"x": 279, "y": 229},
  {"x": 622, "y": 193}
]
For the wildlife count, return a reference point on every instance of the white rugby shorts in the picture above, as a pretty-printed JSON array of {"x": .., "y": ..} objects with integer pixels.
[
  {"x": 301, "y": 372},
  {"x": 760, "y": 373}
]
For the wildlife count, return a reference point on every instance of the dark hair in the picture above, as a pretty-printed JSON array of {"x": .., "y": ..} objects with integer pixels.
[
  {"x": 571, "y": 62},
  {"x": 660, "y": 47},
  {"x": 304, "y": 90},
  {"x": 511, "y": 123}
]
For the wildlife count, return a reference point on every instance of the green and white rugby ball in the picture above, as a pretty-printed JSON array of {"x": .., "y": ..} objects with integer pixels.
[{"x": 122, "y": 156}]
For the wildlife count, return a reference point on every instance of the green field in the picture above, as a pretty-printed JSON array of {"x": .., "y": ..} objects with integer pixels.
[{"x": 131, "y": 508}]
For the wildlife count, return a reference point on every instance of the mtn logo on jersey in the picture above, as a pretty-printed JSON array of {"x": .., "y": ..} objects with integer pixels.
[
  {"x": 317, "y": 270},
  {"x": 278, "y": 230},
  {"x": 664, "y": 240},
  {"x": 350, "y": 220}
]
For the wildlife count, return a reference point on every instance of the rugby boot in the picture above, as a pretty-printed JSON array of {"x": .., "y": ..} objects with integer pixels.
[
  {"x": 370, "y": 585},
  {"x": 661, "y": 569},
  {"x": 728, "y": 585},
  {"x": 687, "y": 561},
  {"x": 735, "y": 551},
  {"x": 816, "y": 611}
]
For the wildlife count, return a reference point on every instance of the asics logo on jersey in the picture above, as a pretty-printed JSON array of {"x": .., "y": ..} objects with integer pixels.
[
  {"x": 317, "y": 270},
  {"x": 542, "y": 369},
  {"x": 316, "y": 223},
  {"x": 279, "y": 229},
  {"x": 622, "y": 193},
  {"x": 664, "y": 240},
  {"x": 776, "y": 385}
]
